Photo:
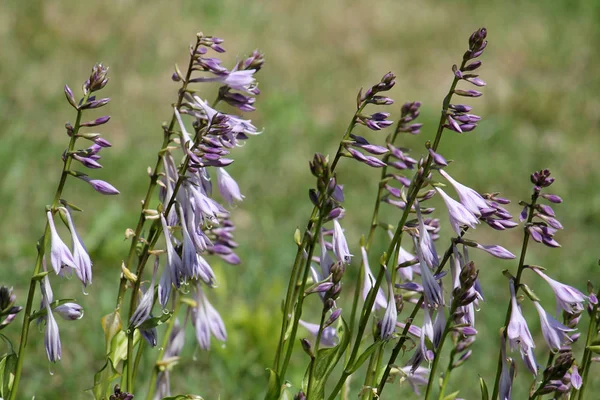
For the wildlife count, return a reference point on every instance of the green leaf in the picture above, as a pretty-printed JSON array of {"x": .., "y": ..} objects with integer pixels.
[
  {"x": 363, "y": 357},
  {"x": 184, "y": 397},
  {"x": 274, "y": 386},
  {"x": 102, "y": 381},
  {"x": 484, "y": 389},
  {"x": 155, "y": 321},
  {"x": 111, "y": 324},
  {"x": 326, "y": 361},
  {"x": 452, "y": 396}
]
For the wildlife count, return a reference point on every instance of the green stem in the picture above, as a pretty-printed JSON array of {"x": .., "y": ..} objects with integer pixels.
[
  {"x": 413, "y": 190},
  {"x": 438, "y": 352},
  {"x": 313, "y": 362},
  {"x": 293, "y": 291},
  {"x": 300, "y": 302},
  {"x": 398, "y": 348},
  {"x": 587, "y": 354},
  {"x": 374, "y": 223},
  {"x": 163, "y": 348},
  {"x": 516, "y": 285},
  {"x": 41, "y": 251},
  {"x": 138, "y": 356},
  {"x": 447, "y": 375},
  {"x": 142, "y": 218}
]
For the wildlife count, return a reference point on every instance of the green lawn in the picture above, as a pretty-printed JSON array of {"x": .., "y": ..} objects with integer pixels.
[{"x": 541, "y": 109}]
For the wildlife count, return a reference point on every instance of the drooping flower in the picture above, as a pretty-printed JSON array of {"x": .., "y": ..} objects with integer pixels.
[
  {"x": 518, "y": 333},
  {"x": 329, "y": 337},
  {"x": 496, "y": 251},
  {"x": 69, "y": 311},
  {"x": 51, "y": 334},
  {"x": 507, "y": 375},
  {"x": 388, "y": 323},
  {"x": 416, "y": 378},
  {"x": 576, "y": 379},
  {"x": 228, "y": 187},
  {"x": 99, "y": 186},
  {"x": 425, "y": 244},
  {"x": 554, "y": 332},
  {"x": 60, "y": 255},
  {"x": 80, "y": 255},
  {"x": 144, "y": 308},
  {"x": 567, "y": 297},
  {"x": 340, "y": 245},
  {"x": 459, "y": 214},
  {"x": 431, "y": 288},
  {"x": 369, "y": 283},
  {"x": 207, "y": 321},
  {"x": 469, "y": 198}
]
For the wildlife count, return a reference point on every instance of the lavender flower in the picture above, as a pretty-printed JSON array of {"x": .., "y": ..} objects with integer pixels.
[
  {"x": 431, "y": 288},
  {"x": 576, "y": 379},
  {"x": 144, "y": 308},
  {"x": 469, "y": 198},
  {"x": 69, "y": 311},
  {"x": 567, "y": 297},
  {"x": 496, "y": 251},
  {"x": 60, "y": 255},
  {"x": 554, "y": 332},
  {"x": 206, "y": 321},
  {"x": 80, "y": 255},
  {"x": 369, "y": 283},
  {"x": 99, "y": 186},
  {"x": 228, "y": 187},
  {"x": 329, "y": 337},
  {"x": 340, "y": 246},
  {"x": 388, "y": 324},
  {"x": 416, "y": 378},
  {"x": 425, "y": 245},
  {"x": 51, "y": 334},
  {"x": 507, "y": 375},
  {"x": 518, "y": 333},
  {"x": 174, "y": 263},
  {"x": 459, "y": 214}
]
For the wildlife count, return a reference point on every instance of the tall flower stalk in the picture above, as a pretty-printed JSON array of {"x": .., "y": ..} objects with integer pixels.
[{"x": 64, "y": 260}]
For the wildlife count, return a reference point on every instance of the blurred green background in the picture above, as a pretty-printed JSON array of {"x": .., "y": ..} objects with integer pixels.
[{"x": 541, "y": 109}]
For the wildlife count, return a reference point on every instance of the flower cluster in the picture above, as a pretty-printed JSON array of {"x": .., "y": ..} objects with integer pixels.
[
  {"x": 67, "y": 260},
  {"x": 197, "y": 226}
]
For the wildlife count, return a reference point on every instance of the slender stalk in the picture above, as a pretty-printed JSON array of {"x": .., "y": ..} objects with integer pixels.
[
  {"x": 587, "y": 354},
  {"x": 41, "y": 251},
  {"x": 447, "y": 375},
  {"x": 293, "y": 290},
  {"x": 138, "y": 357},
  {"x": 408, "y": 324},
  {"x": 438, "y": 352},
  {"x": 299, "y": 303},
  {"x": 314, "y": 360},
  {"x": 372, "y": 228},
  {"x": 163, "y": 348},
  {"x": 413, "y": 190},
  {"x": 516, "y": 284}
]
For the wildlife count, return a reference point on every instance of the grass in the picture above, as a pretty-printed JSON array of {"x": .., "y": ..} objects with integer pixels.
[{"x": 540, "y": 109}]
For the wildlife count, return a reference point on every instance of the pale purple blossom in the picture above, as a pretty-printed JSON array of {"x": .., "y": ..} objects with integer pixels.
[
  {"x": 469, "y": 198},
  {"x": 60, "y": 255},
  {"x": 431, "y": 288},
  {"x": 518, "y": 333},
  {"x": 80, "y": 255},
  {"x": 228, "y": 187},
  {"x": 51, "y": 334},
  {"x": 459, "y": 214},
  {"x": 388, "y": 323},
  {"x": 206, "y": 321},
  {"x": 576, "y": 379},
  {"x": 69, "y": 311},
  {"x": 369, "y": 283},
  {"x": 425, "y": 245},
  {"x": 99, "y": 186},
  {"x": 416, "y": 378},
  {"x": 144, "y": 308},
  {"x": 567, "y": 297},
  {"x": 496, "y": 251},
  {"x": 340, "y": 245},
  {"x": 554, "y": 332},
  {"x": 329, "y": 337}
]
